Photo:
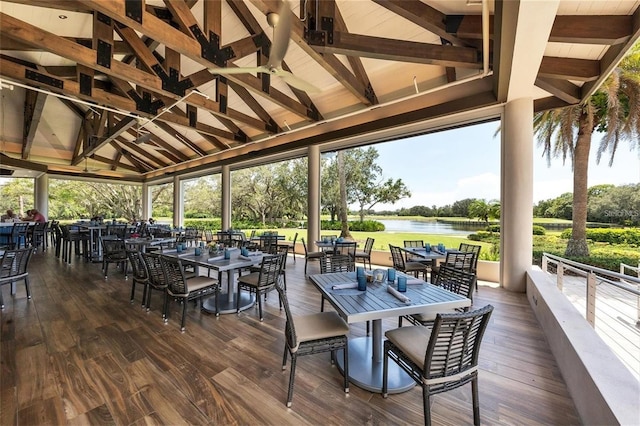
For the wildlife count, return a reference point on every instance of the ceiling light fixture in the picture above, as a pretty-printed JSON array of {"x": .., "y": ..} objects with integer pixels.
[
  {"x": 415, "y": 84},
  {"x": 62, "y": 16},
  {"x": 6, "y": 86},
  {"x": 474, "y": 2}
]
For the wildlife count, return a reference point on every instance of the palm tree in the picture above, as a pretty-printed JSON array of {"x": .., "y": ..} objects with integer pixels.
[{"x": 613, "y": 110}]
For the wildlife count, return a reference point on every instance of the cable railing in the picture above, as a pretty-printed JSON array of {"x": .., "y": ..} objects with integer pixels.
[{"x": 609, "y": 301}]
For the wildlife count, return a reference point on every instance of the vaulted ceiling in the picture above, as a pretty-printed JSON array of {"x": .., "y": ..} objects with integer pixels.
[{"x": 123, "y": 88}]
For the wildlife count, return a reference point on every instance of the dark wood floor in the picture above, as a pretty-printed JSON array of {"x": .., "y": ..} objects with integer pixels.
[{"x": 79, "y": 353}]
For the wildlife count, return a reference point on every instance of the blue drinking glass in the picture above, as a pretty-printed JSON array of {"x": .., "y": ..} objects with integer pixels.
[
  {"x": 402, "y": 283},
  {"x": 362, "y": 282},
  {"x": 360, "y": 271},
  {"x": 391, "y": 274},
  {"x": 198, "y": 251},
  {"x": 427, "y": 248}
]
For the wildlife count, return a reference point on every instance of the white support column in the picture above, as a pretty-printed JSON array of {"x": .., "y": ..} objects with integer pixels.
[
  {"x": 178, "y": 202},
  {"x": 226, "y": 197},
  {"x": 41, "y": 192},
  {"x": 147, "y": 208},
  {"x": 516, "y": 219},
  {"x": 313, "y": 195}
]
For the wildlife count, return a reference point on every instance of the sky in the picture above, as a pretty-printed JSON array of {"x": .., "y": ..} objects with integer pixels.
[{"x": 444, "y": 167}]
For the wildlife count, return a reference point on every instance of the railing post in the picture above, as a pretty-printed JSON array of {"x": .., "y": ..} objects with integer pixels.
[
  {"x": 544, "y": 263},
  {"x": 560, "y": 275},
  {"x": 591, "y": 299}
]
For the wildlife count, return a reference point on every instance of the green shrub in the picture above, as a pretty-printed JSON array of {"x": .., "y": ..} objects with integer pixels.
[
  {"x": 365, "y": 226},
  {"x": 601, "y": 256},
  {"x": 629, "y": 236},
  {"x": 493, "y": 228},
  {"x": 539, "y": 230},
  {"x": 481, "y": 236}
]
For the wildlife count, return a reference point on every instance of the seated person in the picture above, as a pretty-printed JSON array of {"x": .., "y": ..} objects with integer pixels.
[
  {"x": 10, "y": 216},
  {"x": 35, "y": 216}
]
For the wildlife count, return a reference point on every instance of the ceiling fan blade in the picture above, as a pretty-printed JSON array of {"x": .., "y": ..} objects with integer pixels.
[
  {"x": 296, "y": 82},
  {"x": 281, "y": 36},
  {"x": 142, "y": 139},
  {"x": 238, "y": 70}
]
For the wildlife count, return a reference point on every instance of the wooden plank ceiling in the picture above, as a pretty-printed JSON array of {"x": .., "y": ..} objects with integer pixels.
[{"x": 150, "y": 107}]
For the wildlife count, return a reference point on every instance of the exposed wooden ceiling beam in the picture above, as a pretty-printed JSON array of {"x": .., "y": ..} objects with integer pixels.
[
  {"x": 119, "y": 47},
  {"x": 401, "y": 50},
  {"x": 564, "y": 90},
  {"x": 253, "y": 27},
  {"x": 613, "y": 56},
  {"x": 170, "y": 37},
  {"x": 33, "y": 107},
  {"x": 423, "y": 15},
  {"x": 15, "y": 28},
  {"x": 113, "y": 133},
  {"x": 584, "y": 29},
  {"x": 327, "y": 61},
  {"x": 592, "y": 29},
  {"x": 569, "y": 68}
]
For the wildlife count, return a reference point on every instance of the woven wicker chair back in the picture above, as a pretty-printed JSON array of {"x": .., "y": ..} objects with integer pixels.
[
  {"x": 270, "y": 269},
  {"x": 368, "y": 245},
  {"x": 456, "y": 280},
  {"x": 174, "y": 276},
  {"x": 290, "y": 329},
  {"x": 346, "y": 247},
  {"x": 154, "y": 270},
  {"x": 269, "y": 244},
  {"x": 460, "y": 260},
  {"x": 454, "y": 345},
  {"x": 397, "y": 257},
  {"x": 135, "y": 259},
  {"x": 335, "y": 263},
  {"x": 113, "y": 249},
  {"x": 14, "y": 263},
  {"x": 471, "y": 248},
  {"x": 414, "y": 243}
]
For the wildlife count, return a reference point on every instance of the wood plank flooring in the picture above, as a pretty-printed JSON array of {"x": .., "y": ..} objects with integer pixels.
[{"x": 79, "y": 353}]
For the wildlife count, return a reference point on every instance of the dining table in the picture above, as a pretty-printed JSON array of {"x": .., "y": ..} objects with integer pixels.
[
  {"x": 217, "y": 262},
  {"x": 374, "y": 304},
  {"x": 433, "y": 255},
  {"x": 142, "y": 243}
]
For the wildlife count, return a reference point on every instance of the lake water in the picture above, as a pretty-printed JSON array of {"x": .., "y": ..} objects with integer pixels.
[{"x": 425, "y": 227}]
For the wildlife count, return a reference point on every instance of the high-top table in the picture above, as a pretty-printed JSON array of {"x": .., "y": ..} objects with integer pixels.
[
  {"x": 226, "y": 301},
  {"x": 374, "y": 304}
]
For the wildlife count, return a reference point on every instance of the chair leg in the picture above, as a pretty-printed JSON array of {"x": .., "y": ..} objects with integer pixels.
[
  {"x": 292, "y": 376},
  {"x": 346, "y": 366},
  {"x": 26, "y": 287},
  {"x": 184, "y": 315},
  {"x": 426, "y": 405},
  {"x": 284, "y": 357},
  {"x": 259, "y": 305},
  {"x": 305, "y": 266},
  {"x": 165, "y": 308},
  {"x": 1, "y": 299},
  {"x": 145, "y": 289},
  {"x": 476, "y": 402},
  {"x": 385, "y": 371},
  {"x": 322, "y": 304},
  {"x": 133, "y": 289}
]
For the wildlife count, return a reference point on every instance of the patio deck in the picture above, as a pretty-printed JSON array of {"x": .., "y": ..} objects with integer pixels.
[{"x": 80, "y": 353}]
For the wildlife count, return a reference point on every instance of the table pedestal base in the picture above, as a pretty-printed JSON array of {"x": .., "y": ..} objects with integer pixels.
[
  {"x": 367, "y": 374},
  {"x": 227, "y": 305}
]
